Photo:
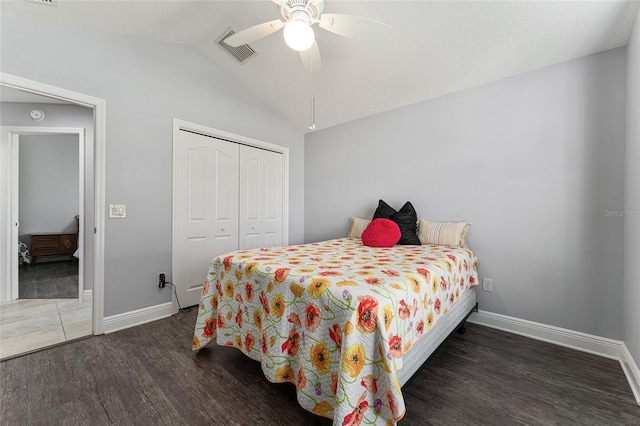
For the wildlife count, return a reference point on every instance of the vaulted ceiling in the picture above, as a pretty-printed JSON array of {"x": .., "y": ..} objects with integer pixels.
[{"x": 436, "y": 47}]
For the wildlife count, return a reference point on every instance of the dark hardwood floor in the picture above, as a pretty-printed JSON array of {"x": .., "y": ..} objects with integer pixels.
[{"x": 148, "y": 375}]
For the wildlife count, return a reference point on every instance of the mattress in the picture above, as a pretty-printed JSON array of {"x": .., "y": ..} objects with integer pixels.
[
  {"x": 345, "y": 323},
  {"x": 426, "y": 346}
]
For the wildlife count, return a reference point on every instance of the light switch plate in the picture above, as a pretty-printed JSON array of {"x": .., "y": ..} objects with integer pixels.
[{"x": 117, "y": 211}]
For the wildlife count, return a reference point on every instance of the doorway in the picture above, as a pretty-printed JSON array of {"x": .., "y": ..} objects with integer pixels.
[
  {"x": 50, "y": 203},
  {"x": 92, "y": 228},
  {"x": 47, "y": 205}
]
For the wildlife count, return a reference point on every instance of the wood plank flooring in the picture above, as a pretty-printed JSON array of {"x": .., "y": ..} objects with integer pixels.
[{"x": 148, "y": 375}]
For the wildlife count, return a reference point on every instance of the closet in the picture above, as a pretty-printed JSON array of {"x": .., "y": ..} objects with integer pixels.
[{"x": 228, "y": 196}]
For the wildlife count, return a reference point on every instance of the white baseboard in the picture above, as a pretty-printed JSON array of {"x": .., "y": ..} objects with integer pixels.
[
  {"x": 87, "y": 294},
  {"x": 601, "y": 346},
  {"x": 140, "y": 316},
  {"x": 631, "y": 370}
]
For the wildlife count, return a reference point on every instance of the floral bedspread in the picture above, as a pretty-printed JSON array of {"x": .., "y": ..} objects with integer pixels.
[{"x": 334, "y": 318}]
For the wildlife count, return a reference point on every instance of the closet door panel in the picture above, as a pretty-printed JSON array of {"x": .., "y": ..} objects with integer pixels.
[
  {"x": 261, "y": 189},
  {"x": 224, "y": 196},
  {"x": 196, "y": 197},
  {"x": 251, "y": 182},
  {"x": 207, "y": 213},
  {"x": 196, "y": 255},
  {"x": 272, "y": 239},
  {"x": 224, "y": 192},
  {"x": 273, "y": 190},
  {"x": 250, "y": 198}
]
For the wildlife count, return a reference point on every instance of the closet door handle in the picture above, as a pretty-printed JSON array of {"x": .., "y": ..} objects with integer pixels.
[
  {"x": 222, "y": 229},
  {"x": 253, "y": 227}
]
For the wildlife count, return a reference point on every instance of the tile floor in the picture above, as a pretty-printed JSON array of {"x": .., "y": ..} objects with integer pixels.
[{"x": 27, "y": 325}]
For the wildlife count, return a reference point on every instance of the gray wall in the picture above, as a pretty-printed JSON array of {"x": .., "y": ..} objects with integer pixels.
[
  {"x": 48, "y": 194},
  {"x": 631, "y": 318},
  {"x": 57, "y": 115},
  {"x": 145, "y": 84},
  {"x": 532, "y": 161}
]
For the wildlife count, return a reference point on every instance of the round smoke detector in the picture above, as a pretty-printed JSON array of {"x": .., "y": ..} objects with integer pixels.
[{"x": 37, "y": 114}]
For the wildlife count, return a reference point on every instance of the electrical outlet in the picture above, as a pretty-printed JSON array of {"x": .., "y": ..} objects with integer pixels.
[
  {"x": 162, "y": 279},
  {"x": 487, "y": 284}
]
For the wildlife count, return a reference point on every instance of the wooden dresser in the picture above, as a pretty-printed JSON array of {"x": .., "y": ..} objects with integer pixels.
[{"x": 53, "y": 244}]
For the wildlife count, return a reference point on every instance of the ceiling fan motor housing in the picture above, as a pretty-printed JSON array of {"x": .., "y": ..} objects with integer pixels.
[{"x": 305, "y": 10}]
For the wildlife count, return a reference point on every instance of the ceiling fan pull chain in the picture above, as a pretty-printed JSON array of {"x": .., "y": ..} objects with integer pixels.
[
  {"x": 313, "y": 115},
  {"x": 313, "y": 98}
]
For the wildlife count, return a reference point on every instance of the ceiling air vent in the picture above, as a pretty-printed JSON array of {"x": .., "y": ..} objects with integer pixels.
[
  {"x": 241, "y": 53},
  {"x": 47, "y": 2}
]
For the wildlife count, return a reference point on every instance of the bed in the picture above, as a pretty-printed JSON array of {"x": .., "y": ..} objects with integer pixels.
[
  {"x": 347, "y": 324},
  {"x": 23, "y": 253}
]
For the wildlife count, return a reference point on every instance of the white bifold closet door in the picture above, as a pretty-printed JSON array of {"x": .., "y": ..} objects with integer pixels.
[{"x": 230, "y": 197}]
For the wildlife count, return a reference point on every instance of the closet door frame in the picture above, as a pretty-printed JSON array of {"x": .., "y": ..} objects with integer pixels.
[{"x": 181, "y": 125}]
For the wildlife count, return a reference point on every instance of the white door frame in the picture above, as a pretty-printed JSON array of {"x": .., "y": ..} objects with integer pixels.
[
  {"x": 99, "y": 116},
  {"x": 179, "y": 125},
  {"x": 10, "y": 136}
]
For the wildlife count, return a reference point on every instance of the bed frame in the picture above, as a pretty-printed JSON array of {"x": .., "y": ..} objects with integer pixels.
[{"x": 421, "y": 351}]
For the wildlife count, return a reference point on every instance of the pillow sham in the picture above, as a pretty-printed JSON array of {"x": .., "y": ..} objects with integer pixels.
[
  {"x": 357, "y": 227},
  {"x": 443, "y": 233},
  {"x": 406, "y": 218},
  {"x": 381, "y": 233}
]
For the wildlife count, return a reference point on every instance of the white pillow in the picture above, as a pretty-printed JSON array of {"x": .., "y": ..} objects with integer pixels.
[
  {"x": 357, "y": 227},
  {"x": 443, "y": 233}
]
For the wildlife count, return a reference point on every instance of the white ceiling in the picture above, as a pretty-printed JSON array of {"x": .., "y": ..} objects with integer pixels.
[{"x": 437, "y": 47}]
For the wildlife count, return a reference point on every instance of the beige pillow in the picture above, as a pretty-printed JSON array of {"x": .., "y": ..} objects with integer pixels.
[
  {"x": 443, "y": 233},
  {"x": 358, "y": 226}
]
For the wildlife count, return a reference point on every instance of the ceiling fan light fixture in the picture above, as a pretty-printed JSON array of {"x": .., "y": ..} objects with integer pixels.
[{"x": 298, "y": 35}]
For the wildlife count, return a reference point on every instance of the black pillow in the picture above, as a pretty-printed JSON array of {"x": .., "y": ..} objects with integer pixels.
[{"x": 406, "y": 218}]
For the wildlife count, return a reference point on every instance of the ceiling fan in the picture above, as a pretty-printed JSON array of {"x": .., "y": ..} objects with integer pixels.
[{"x": 298, "y": 18}]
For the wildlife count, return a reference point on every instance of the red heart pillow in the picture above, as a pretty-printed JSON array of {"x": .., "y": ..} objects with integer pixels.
[{"x": 381, "y": 233}]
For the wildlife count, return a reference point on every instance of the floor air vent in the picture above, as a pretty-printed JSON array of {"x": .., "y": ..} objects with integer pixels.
[{"x": 241, "y": 53}]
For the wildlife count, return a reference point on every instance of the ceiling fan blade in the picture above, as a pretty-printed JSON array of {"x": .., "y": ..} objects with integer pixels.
[
  {"x": 353, "y": 26},
  {"x": 311, "y": 59},
  {"x": 254, "y": 33}
]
